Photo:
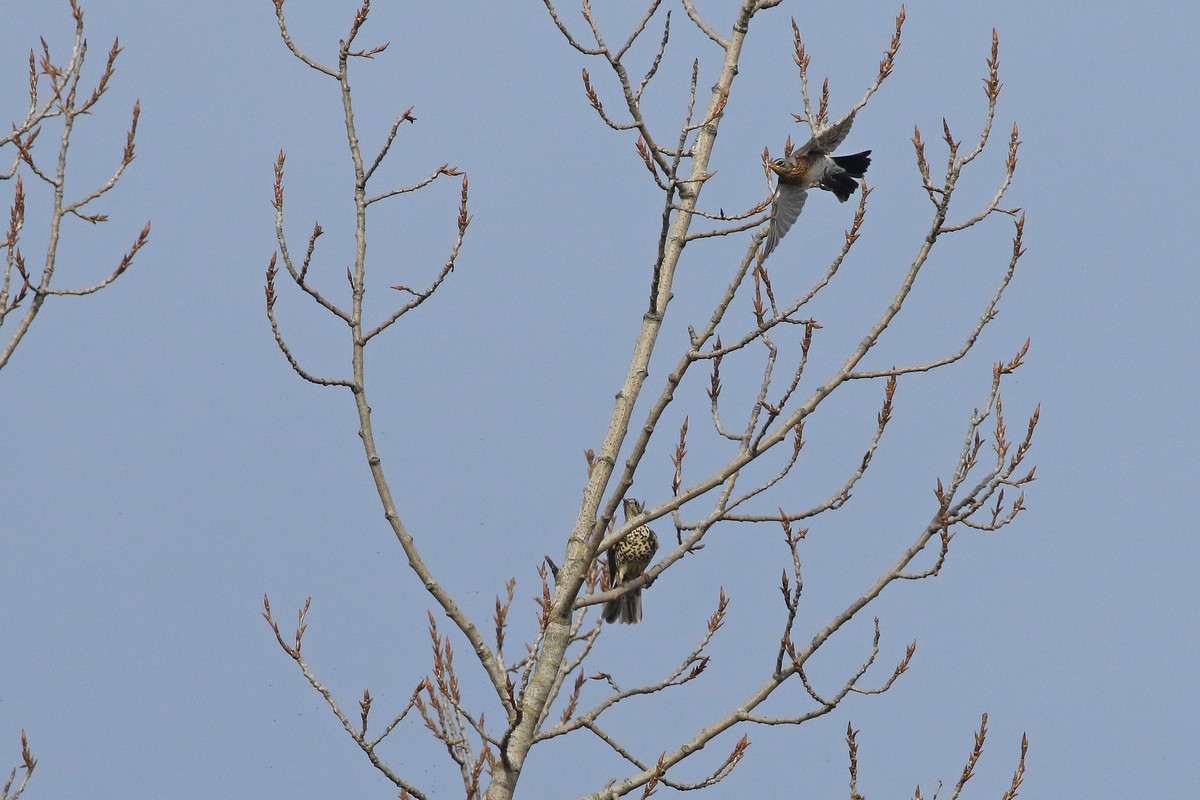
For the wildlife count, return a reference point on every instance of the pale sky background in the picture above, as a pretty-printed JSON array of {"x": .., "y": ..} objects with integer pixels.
[{"x": 162, "y": 467}]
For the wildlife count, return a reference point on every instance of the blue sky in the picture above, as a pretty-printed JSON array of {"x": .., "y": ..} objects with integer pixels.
[{"x": 163, "y": 467}]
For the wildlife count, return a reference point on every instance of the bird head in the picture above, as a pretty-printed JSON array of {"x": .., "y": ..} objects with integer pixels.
[
  {"x": 633, "y": 507},
  {"x": 781, "y": 165}
]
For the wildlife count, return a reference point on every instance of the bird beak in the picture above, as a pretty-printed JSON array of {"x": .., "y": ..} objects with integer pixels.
[{"x": 776, "y": 169}]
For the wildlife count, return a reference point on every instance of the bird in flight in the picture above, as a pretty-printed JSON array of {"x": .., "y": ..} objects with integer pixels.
[
  {"x": 811, "y": 165},
  {"x": 628, "y": 559}
]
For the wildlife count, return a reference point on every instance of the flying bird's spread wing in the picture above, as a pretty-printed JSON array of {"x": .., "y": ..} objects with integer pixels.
[
  {"x": 828, "y": 139},
  {"x": 789, "y": 202},
  {"x": 812, "y": 166}
]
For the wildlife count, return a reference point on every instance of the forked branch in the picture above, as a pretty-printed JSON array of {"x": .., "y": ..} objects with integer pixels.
[
  {"x": 759, "y": 325},
  {"x": 27, "y": 766},
  {"x": 56, "y": 95}
]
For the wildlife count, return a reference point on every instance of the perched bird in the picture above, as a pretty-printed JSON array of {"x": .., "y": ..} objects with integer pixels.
[
  {"x": 627, "y": 559},
  {"x": 809, "y": 166}
]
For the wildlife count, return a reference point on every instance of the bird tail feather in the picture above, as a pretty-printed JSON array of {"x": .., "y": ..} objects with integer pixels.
[
  {"x": 856, "y": 164},
  {"x": 841, "y": 185},
  {"x": 627, "y": 608}
]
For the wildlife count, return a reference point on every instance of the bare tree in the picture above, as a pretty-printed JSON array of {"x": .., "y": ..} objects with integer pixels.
[
  {"x": 55, "y": 94},
  {"x": 540, "y": 694}
]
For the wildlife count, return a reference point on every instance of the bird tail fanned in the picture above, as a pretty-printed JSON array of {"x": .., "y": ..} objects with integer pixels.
[
  {"x": 840, "y": 184},
  {"x": 844, "y": 183},
  {"x": 855, "y": 165},
  {"x": 627, "y": 608}
]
